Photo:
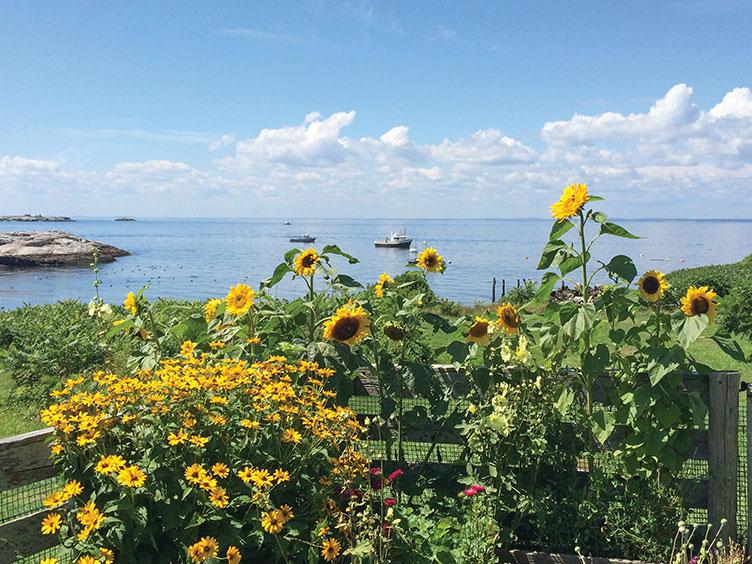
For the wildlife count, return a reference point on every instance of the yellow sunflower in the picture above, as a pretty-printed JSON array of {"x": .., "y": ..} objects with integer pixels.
[
  {"x": 430, "y": 261},
  {"x": 130, "y": 303},
  {"x": 508, "y": 318},
  {"x": 349, "y": 325},
  {"x": 239, "y": 300},
  {"x": 700, "y": 300},
  {"x": 331, "y": 549},
  {"x": 210, "y": 309},
  {"x": 652, "y": 285},
  {"x": 305, "y": 262},
  {"x": 478, "y": 331},
  {"x": 571, "y": 201},
  {"x": 384, "y": 279}
]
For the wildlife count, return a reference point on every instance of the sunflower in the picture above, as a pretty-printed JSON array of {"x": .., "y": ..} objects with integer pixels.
[
  {"x": 331, "y": 549},
  {"x": 478, "y": 331},
  {"x": 652, "y": 285},
  {"x": 239, "y": 300},
  {"x": 349, "y": 325},
  {"x": 430, "y": 261},
  {"x": 571, "y": 202},
  {"x": 508, "y": 318},
  {"x": 305, "y": 262},
  {"x": 51, "y": 523},
  {"x": 394, "y": 332},
  {"x": 384, "y": 279},
  {"x": 700, "y": 300},
  {"x": 130, "y": 303}
]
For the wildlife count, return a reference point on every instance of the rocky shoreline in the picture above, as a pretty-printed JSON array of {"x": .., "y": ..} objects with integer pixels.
[
  {"x": 29, "y": 217},
  {"x": 22, "y": 249}
]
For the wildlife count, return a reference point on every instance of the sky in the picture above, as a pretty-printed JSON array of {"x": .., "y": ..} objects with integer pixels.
[{"x": 374, "y": 108}]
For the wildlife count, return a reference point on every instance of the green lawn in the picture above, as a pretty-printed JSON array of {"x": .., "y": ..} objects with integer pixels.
[{"x": 15, "y": 420}]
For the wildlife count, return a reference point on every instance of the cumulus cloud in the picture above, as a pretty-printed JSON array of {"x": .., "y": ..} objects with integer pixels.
[{"x": 673, "y": 152}]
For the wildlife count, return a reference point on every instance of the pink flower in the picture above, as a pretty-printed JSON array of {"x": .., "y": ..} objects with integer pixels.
[
  {"x": 375, "y": 471},
  {"x": 390, "y": 501},
  {"x": 479, "y": 489},
  {"x": 470, "y": 491},
  {"x": 394, "y": 475}
]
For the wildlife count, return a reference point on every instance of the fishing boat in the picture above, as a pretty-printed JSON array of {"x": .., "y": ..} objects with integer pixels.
[
  {"x": 303, "y": 239},
  {"x": 397, "y": 240}
]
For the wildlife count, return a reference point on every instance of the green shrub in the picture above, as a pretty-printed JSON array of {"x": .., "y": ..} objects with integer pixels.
[
  {"x": 44, "y": 345},
  {"x": 521, "y": 295},
  {"x": 720, "y": 277},
  {"x": 736, "y": 310}
]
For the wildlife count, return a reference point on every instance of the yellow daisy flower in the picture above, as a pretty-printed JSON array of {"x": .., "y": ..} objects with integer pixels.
[
  {"x": 700, "y": 300},
  {"x": 652, "y": 285},
  {"x": 233, "y": 555},
  {"x": 130, "y": 303},
  {"x": 349, "y": 325},
  {"x": 52, "y": 523},
  {"x": 430, "y": 260},
  {"x": 305, "y": 262},
  {"x": 239, "y": 300},
  {"x": 220, "y": 470},
  {"x": 291, "y": 436},
  {"x": 210, "y": 309},
  {"x": 384, "y": 279},
  {"x": 572, "y": 201},
  {"x": 331, "y": 549},
  {"x": 132, "y": 477},
  {"x": 218, "y": 496},
  {"x": 187, "y": 348},
  {"x": 272, "y": 521}
]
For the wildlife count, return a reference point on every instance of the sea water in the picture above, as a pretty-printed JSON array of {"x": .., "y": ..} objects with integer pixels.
[{"x": 202, "y": 258}]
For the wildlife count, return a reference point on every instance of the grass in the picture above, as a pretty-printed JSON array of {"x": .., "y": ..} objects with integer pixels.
[{"x": 15, "y": 420}]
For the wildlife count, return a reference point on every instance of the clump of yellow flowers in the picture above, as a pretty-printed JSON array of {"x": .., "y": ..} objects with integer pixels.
[{"x": 204, "y": 458}]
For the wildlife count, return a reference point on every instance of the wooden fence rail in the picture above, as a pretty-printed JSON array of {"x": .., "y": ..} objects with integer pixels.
[{"x": 25, "y": 459}]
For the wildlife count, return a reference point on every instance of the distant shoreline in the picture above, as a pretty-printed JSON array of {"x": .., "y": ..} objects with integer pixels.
[{"x": 29, "y": 217}]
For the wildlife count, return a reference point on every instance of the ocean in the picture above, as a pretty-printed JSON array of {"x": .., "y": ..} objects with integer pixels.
[{"x": 201, "y": 258}]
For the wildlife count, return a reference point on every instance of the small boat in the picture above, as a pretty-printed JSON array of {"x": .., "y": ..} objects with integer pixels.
[
  {"x": 287, "y": 223},
  {"x": 303, "y": 239},
  {"x": 397, "y": 240}
]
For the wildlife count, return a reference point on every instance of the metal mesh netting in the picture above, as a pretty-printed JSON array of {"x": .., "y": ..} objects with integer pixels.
[{"x": 26, "y": 499}]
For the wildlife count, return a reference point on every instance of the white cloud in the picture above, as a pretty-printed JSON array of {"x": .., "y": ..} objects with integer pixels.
[
  {"x": 223, "y": 141},
  {"x": 488, "y": 147},
  {"x": 737, "y": 103}
]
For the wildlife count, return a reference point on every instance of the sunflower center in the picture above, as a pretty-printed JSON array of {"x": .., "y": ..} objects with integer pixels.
[
  {"x": 394, "y": 333},
  {"x": 430, "y": 261},
  {"x": 700, "y": 305},
  {"x": 651, "y": 285},
  {"x": 479, "y": 329},
  {"x": 345, "y": 328},
  {"x": 308, "y": 261},
  {"x": 509, "y": 319}
]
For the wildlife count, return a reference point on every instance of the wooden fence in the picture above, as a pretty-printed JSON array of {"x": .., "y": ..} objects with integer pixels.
[{"x": 25, "y": 459}]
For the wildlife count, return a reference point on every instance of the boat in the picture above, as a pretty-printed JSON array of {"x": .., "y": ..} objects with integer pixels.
[
  {"x": 397, "y": 240},
  {"x": 303, "y": 239},
  {"x": 287, "y": 223}
]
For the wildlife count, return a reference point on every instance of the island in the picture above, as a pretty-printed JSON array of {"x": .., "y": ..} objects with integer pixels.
[
  {"x": 23, "y": 249},
  {"x": 29, "y": 217},
  {"x": 124, "y": 219}
]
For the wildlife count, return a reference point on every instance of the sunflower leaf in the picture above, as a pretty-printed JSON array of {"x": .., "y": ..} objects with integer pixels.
[
  {"x": 599, "y": 217},
  {"x": 595, "y": 199},
  {"x": 345, "y": 281},
  {"x": 571, "y": 263},
  {"x": 691, "y": 328},
  {"x": 547, "y": 284},
  {"x": 560, "y": 228},
  {"x": 549, "y": 253},
  {"x": 279, "y": 273},
  {"x": 289, "y": 255},
  {"x": 622, "y": 267},
  {"x": 728, "y": 345},
  {"x": 335, "y": 250},
  {"x": 616, "y": 230}
]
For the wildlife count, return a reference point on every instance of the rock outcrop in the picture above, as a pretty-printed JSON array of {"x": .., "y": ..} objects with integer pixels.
[
  {"x": 124, "y": 219},
  {"x": 566, "y": 294},
  {"x": 29, "y": 217},
  {"x": 52, "y": 248}
]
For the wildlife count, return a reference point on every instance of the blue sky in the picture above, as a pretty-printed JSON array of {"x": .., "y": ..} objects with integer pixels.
[{"x": 374, "y": 109}]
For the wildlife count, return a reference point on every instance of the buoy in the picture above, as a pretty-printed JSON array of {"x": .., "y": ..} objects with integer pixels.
[{"x": 682, "y": 260}]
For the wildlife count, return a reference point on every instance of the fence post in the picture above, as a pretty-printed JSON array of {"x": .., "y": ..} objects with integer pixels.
[
  {"x": 503, "y": 287},
  {"x": 493, "y": 291},
  {"x": 723, "y": 449}
]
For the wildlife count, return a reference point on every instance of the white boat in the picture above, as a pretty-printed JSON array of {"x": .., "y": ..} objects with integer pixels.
[
  {"x": 303, "y": 239},
  {"x": 397, "y": 240}
]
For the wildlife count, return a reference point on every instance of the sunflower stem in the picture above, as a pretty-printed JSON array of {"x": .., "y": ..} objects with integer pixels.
[
  {"x": 312, "y": 322},
  {"x": 586, "y": 338}
]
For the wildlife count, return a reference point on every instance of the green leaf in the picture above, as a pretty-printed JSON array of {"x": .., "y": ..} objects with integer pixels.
[
  {"x": 564, "y": 399},
  {"x": 548, "y": 282},
  {"x": 581, "y": 322},
  {"x": 728, "y": 345},
  {"x": 291, "y": 254},
  {"x": 691, "y": 328},
  {"x": 621, "y": 266},
  {"x": 663, "y": 362},
  {"x": 596, "y": 361},
  {"x": 388, "y": 407},
  {"x": 559, "y": 228},
  {"x": 595, "y": 199},
  {"x": 346, "y": 281},
  {"x": 616, "y": 230},
  {"x": 438, "y": 322},
  {"x": 335, "y": 250},
  {"x": 549, "y": 253},
  {"x": 458, "y": 351},
  {"x": 602, "y": 425},
  {"x": 599, "y": 217},
  {"x": 279, "y": 273},
  {"x": 699, "y": 409},
  {"x": 667, "y": 415},
  {"x": 571, "y": 263}
]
